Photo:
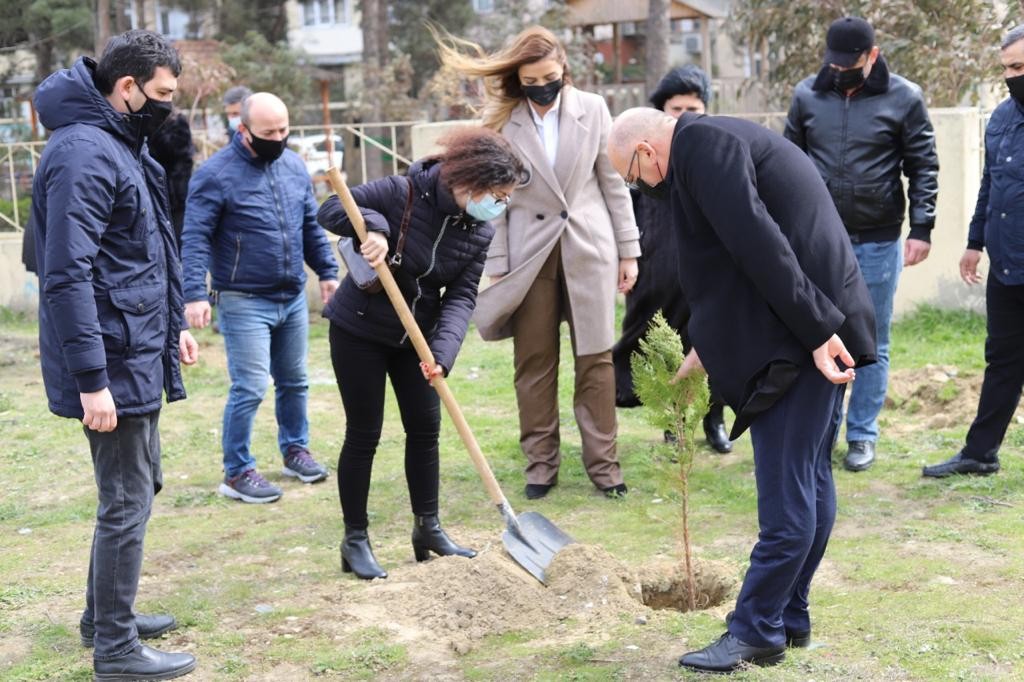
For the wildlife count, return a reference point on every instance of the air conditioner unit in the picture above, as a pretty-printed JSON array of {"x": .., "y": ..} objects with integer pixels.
[{"x": 692, "y": 43}]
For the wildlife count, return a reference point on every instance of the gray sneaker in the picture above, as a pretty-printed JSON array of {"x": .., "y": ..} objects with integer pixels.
[
  {"x": 249, "y": 486},
  {"x": 300, "y": 464}
]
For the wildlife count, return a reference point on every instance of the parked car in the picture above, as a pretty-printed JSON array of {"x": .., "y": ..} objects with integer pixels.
[{"x": 313, "y": 150}]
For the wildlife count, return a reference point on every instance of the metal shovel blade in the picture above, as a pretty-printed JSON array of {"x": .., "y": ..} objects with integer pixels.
[{"x": 533, "y": 542}]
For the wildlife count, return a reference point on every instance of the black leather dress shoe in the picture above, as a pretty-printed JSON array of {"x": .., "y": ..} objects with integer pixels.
[
  {"x": 535, "y": 491},
  {"x": 860, "y": 455},
  {"x": 714, "y": 431},
  {"x": 800, "y": 639},
  {"x": 144, "y": 663},
  {"x": 728, "y": 654},
  {"x": 958, "y": 464},
  {"x": 148, "y": 627},
  {"x": 615, "y": 491}
]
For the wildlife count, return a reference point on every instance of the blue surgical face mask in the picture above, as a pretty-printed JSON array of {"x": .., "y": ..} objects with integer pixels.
[
  {"x": 487, "y": 208},
  {"x": 233, "y": 122}
]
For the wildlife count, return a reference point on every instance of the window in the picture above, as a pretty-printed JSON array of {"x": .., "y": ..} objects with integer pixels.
[
  {"x": 326, "y": 12},
  {"x": 483, "y": 6}
]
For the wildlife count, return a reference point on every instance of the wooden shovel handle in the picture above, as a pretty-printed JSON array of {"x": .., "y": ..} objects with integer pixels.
[{"x": 420, "y": 344}]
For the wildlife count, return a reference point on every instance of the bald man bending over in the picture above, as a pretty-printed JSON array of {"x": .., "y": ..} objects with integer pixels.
[
  {"x": 250, "y": 219},
  {"x": 780, "y": 317}
]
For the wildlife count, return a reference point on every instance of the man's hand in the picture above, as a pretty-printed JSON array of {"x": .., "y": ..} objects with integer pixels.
[
  {"x": 327, "y": 289},
  {"x": 969, "y": 266},
  {"x": 188, "y": 349},
  {"x": 915, "y": 251},
  {"x": 100, "y": 413},
  {"x": 628, "y": 271},
  {"x": 197, "y": 314},
  {"x": 824, "y": 360},
  {"x": 431, "y": 374},
  {"x": 691, "y": 364},
  {"x": 375, "y": 248}
]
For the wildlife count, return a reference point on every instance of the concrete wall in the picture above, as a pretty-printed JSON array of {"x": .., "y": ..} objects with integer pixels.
[{"x": 935, "y": 281}]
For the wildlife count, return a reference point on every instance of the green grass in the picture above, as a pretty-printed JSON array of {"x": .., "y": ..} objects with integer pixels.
[{"x": 922, "y": 579}]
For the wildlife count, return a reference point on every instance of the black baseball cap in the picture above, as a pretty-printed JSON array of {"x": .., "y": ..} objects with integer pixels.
[{"x": 848, "y": 38}]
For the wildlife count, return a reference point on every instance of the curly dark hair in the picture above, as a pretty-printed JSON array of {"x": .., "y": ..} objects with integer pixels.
[{"x": 479, "y": 159}]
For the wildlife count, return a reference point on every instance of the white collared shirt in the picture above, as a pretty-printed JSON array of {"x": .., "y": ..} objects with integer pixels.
[{"x": 547, "y": 128}]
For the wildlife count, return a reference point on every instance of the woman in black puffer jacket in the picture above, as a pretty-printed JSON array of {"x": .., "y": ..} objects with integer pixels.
[{"x": 452, "y": 195}]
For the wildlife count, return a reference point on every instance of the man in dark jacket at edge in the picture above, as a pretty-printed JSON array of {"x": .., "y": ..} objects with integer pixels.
[
  {"x": 776, "y": 298},
  {"x": 111, "y": 332},
  {"x": 685, "y": 88},
  {"x": 998, "y": 225},
  {"x": 862, "y": 126},
  {"x": 250, "y": 220}
]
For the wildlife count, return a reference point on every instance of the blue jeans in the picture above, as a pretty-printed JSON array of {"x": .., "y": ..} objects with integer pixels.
[
  {"x": 880, "y": 263},
  {"x": 263, "y": 338}
]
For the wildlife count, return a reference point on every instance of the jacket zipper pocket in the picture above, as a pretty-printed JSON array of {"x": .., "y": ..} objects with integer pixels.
[
  {"x": 127, "y": 334},
  {"x": 238, "y": 256}
]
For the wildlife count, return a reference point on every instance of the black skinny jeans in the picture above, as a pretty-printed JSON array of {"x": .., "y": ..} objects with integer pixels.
[
  {"x": 126, "y": 464},
  {"x": 360, "y": 367}
]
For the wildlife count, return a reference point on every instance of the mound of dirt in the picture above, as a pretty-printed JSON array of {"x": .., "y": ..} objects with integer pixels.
[
  {"x": 454, "y": 601},
  {"x": 473, "y": 598},
  {"x": 936, "y": 397}
]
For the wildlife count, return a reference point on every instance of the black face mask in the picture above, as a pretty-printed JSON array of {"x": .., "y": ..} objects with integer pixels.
[
  {"x": 659, "y": 191},
  {"x": 543, "y": 95},
  {"x": 156, "y": 111},
  {"x": 1016, "y": 86},
  {"x": 268, "y": 150},
  {"x": 850, "y": 79}
]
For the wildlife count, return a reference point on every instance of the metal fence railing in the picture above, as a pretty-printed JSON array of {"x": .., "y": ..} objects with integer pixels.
[
  {"x": 364, "y": 147},
  {"x": 17, "y": 166}
]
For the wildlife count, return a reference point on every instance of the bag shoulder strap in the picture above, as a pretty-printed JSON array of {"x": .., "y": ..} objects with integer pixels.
[{"x": 403, "y": 230}]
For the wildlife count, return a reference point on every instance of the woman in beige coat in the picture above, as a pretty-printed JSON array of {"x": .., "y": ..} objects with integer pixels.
[{"x": 569, "y": 241}]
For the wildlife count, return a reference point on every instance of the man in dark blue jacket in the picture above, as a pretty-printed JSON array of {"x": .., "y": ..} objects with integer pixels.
[
  {"x": 776, "y": 298},
  {"x": 998, "y": 226},
  {"x": 110, "y": 317},
  {"x": 250, "y": 219},
  {"x": 864, "y": 127}
]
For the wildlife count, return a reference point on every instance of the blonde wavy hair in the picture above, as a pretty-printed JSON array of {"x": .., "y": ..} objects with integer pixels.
[{"x": 500, "y": 70}]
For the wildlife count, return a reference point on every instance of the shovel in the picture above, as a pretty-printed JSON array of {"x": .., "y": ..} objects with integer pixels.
[{"x": 530, "y": 539}]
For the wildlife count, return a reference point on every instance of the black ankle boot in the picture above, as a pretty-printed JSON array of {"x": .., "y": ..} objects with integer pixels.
[
  {"x": 357, "y": 556},
  {"x": 714, "y": 429},
  {"x": 428, "y": 536}
]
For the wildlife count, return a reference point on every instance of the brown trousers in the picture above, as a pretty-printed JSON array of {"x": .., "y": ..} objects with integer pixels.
[{"x": 535, "y": 333}]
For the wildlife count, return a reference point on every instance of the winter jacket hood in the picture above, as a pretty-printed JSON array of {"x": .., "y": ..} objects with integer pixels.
[{"x": 71, "y": 96}]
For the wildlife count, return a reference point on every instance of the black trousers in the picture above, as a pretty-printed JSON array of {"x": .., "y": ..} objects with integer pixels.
[
  {"x": 1004, "y": 370},
  {"x": 361, "y": 367},
  {"x": 126, "y": 464}
]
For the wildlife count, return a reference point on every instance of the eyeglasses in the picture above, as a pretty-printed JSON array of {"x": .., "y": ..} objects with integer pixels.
[
  {"x": 502, "y": 199},
  {"x": 631, "y": 180}
]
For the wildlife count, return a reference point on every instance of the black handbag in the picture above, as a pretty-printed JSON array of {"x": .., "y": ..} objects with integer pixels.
[{"x": 364, "y": 276}]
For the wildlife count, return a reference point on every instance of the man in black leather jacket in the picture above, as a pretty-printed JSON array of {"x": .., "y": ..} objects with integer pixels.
[{"x": 862, "y": 126}]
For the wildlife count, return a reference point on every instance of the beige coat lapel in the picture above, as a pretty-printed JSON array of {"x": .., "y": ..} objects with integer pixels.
[
  {"x": 572, "y": 136},
  {"x": 525, "y": 137}
]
